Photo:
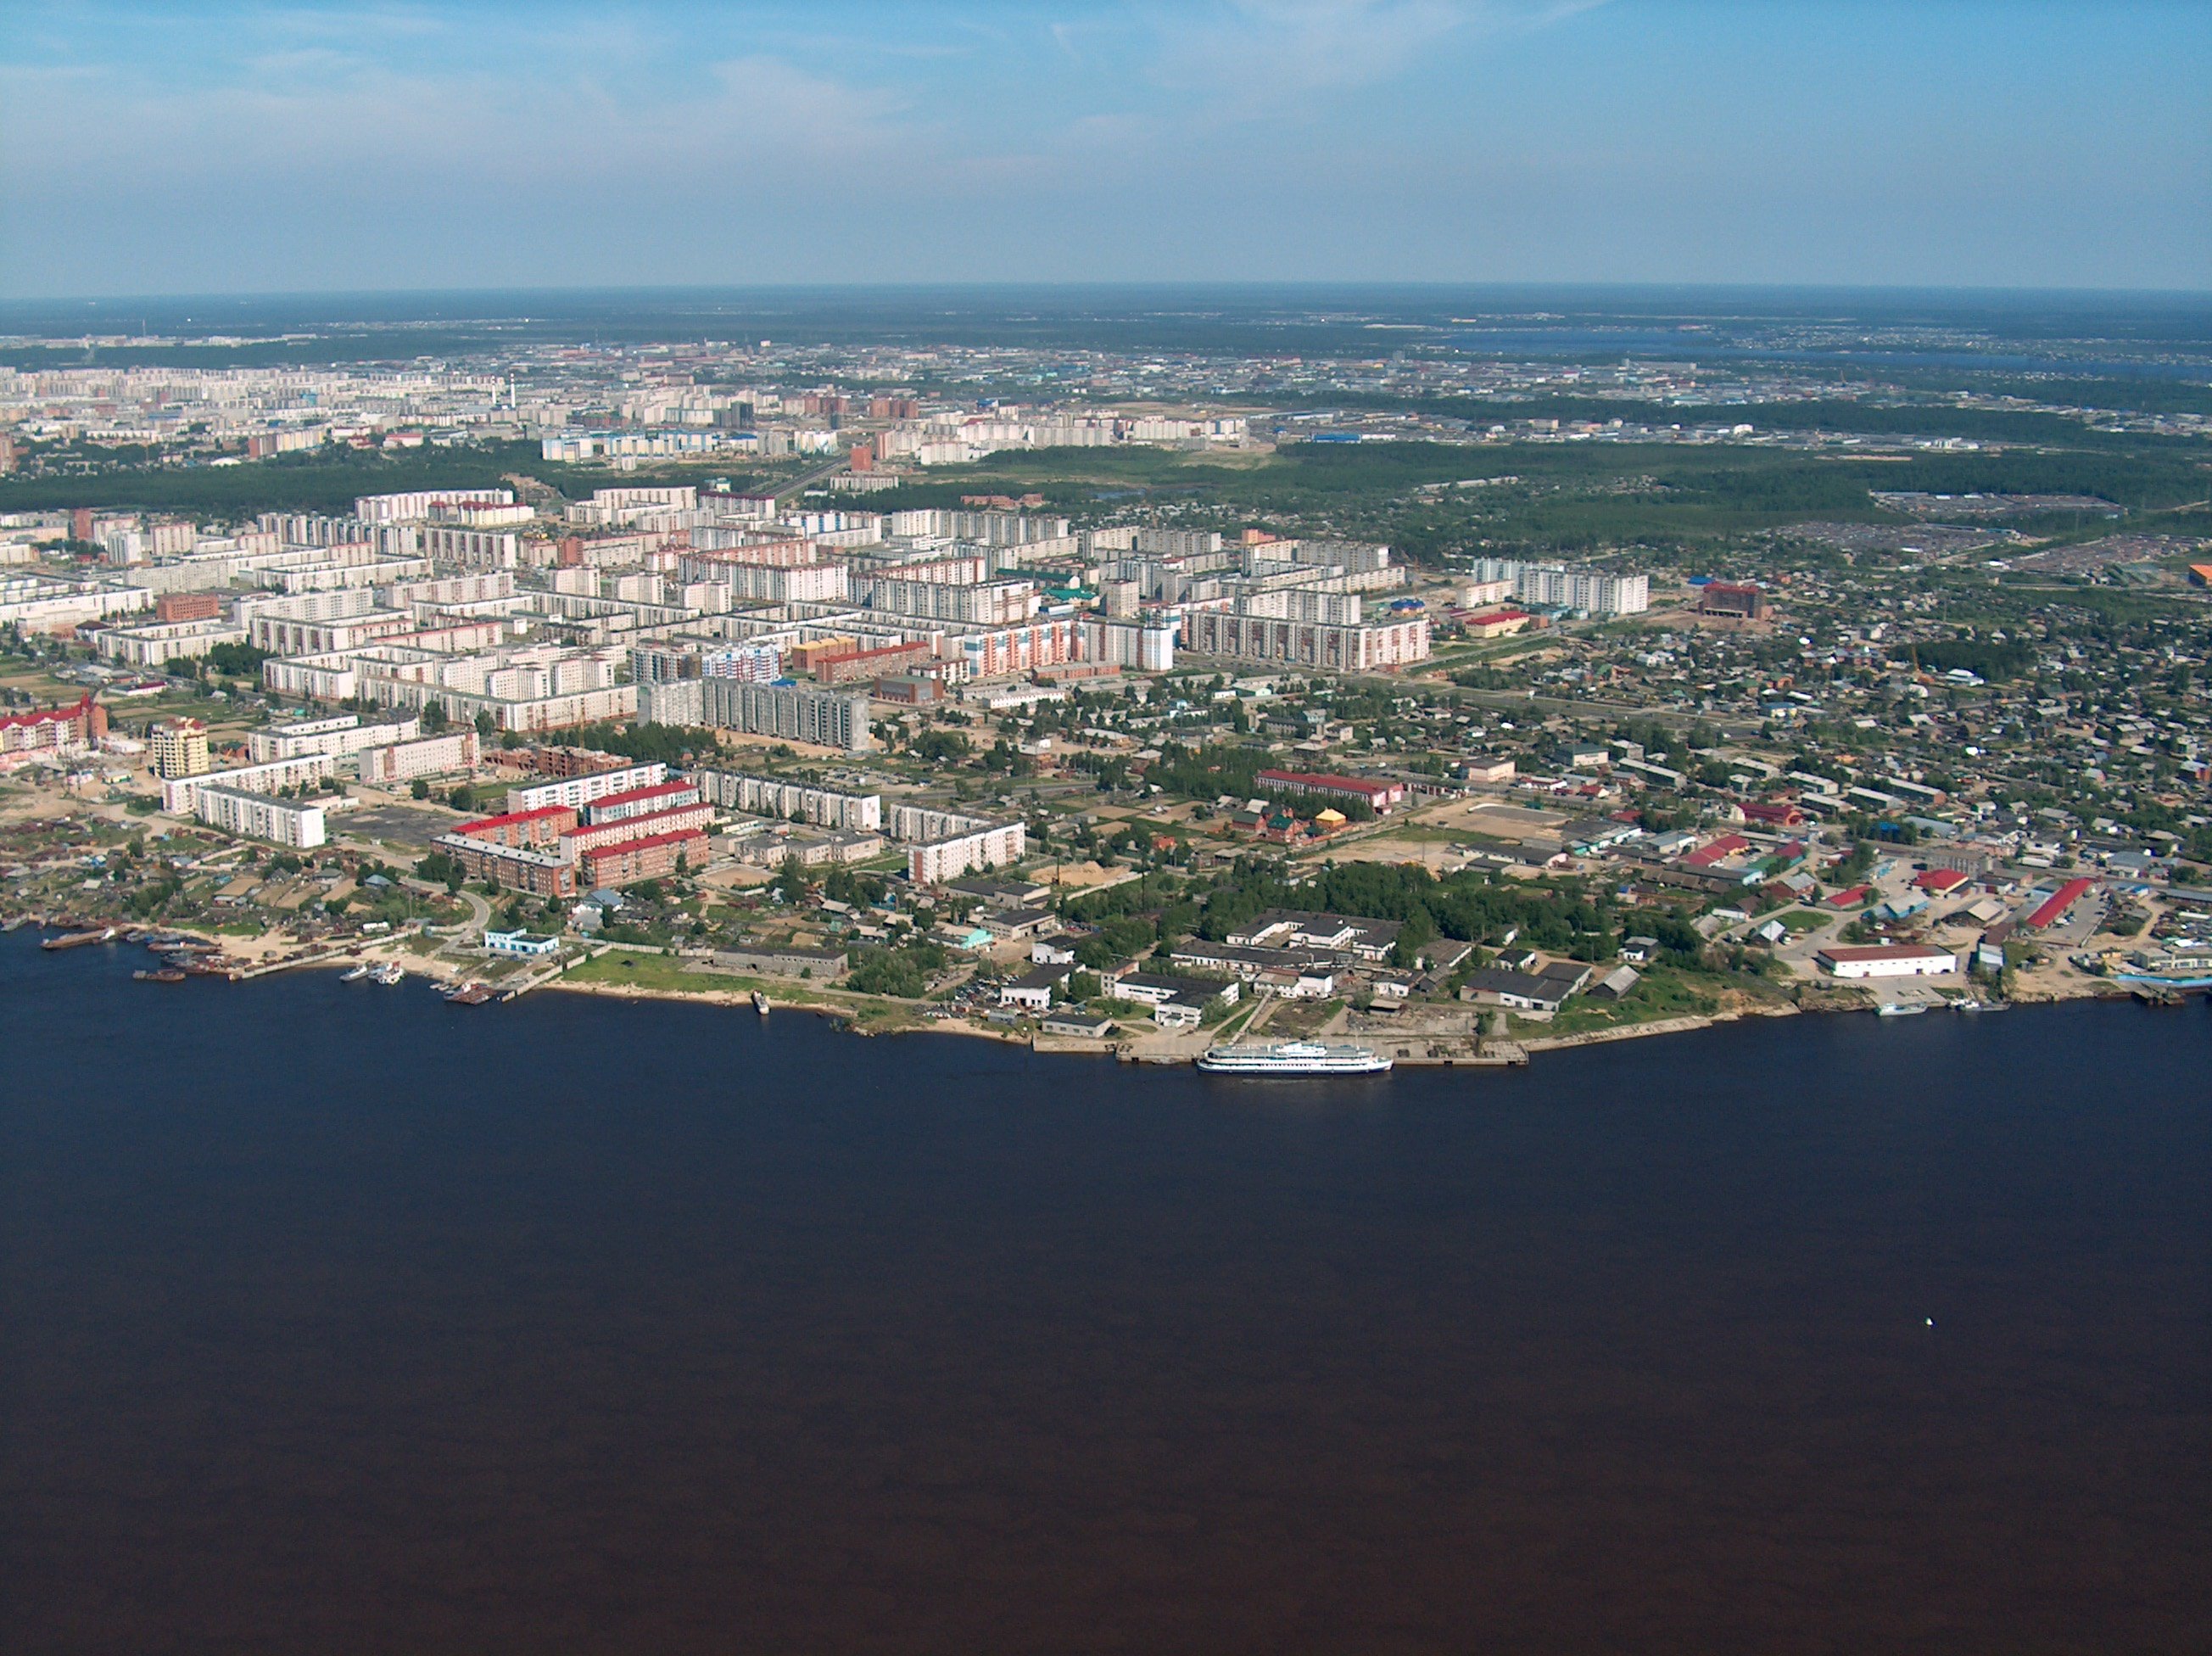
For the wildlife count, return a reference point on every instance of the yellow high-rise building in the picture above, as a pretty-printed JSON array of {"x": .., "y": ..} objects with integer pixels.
[{"x": 180, "y": 748}]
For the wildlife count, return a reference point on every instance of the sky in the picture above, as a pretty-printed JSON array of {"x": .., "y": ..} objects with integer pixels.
[{"x": 188, "y": 147}]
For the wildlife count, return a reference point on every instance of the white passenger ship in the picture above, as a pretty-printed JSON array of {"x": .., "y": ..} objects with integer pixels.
[{"x": 1292, "y": 1058}]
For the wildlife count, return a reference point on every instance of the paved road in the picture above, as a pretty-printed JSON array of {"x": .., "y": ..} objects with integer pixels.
[
  {"x": 800, "y": 485},
  {"x": 479, "y": 906}
]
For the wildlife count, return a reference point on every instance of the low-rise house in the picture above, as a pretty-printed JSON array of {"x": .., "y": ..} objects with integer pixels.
[
  {"x": 1007, "y": 894},
  {"x": 1314, "y": 983},
  {"x": 1154, "y": 989},
  {"x": 1016, "y": 923},
  {"x": 1518, "y": 991},
  {"x": 1887, "y": 960},
  {"x": 520, "y": 943},
  {"x": 1239, "y": 960},
  {"x": 1033, "y": 990},
  {"x": 1336, "y": 933},
  {"x": 1616, "y": 984},
  {"x": 1078, "y": 1024}
]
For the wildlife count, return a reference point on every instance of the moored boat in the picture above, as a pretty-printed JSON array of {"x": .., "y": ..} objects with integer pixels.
[
  {"x": 760, "y": 1003},
  {"x": 161, "y": 975},
  {"x": 77, "y": 940},
  {"x": 1290, "y": 1058}
]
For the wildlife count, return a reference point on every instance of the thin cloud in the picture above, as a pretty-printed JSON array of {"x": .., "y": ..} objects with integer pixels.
[
  {"x": 1251, "y": 53},
  {"x": 317, "y": 112}
]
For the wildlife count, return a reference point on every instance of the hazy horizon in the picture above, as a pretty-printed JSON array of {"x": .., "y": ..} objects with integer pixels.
[
  {"x": 1896, "y": 291},
  {"x": 242, "y": 149}
]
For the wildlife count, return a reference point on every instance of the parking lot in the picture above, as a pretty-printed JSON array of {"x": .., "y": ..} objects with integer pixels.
[{"x": 400, "y": 824}]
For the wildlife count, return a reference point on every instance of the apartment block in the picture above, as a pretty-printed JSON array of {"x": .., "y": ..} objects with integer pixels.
[
  {"x": 258, "y": 816},
  {"x": 1368, "y": 647}
]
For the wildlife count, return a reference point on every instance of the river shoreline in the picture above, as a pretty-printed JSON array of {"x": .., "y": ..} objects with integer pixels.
[{"x": 912, "y": 1020}]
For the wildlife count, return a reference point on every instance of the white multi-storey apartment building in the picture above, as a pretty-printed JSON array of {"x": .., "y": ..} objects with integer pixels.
[
  {"x": 998, "y": 603},
  {"x": 471, "y": 549},
  {"x": 180, "y": 794},
  {"x": 151, "y": 645},
  {"x": 415, "y": 506},
  {"x": 1567, "y": 586},
  {"x": 577, "y": 792},
  {"x": 287, "y": 822},
  {"x": 1143, "y": 645},
  {"x": 827, "y": 718},
  {"x": 1366, "y": 646},
  {"x": 944, "y": 844},
  {"x": 338, "y": 735},
  {"x": 430, "y": 756},
  {"x": 764, "y": 796}
]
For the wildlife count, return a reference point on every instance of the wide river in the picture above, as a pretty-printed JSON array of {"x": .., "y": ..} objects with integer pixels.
[{"x": 336, "y": 1319}]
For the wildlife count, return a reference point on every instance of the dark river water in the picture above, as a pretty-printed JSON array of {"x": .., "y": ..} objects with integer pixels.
[{"x": 335, "y": 1320}]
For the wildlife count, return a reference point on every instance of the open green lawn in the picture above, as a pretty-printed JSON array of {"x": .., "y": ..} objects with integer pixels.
[
  {"x": 1301, "y": 1018},
  {"x": 662, "y": 975},
  {"x": 1663, "y": 992},
  {"x": 658, "y": 972}
]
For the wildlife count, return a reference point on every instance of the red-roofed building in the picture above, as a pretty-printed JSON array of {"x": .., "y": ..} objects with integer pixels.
[
  {"x": 1773, "y": 816},
  {"x": 54, "y": 729},
  {"x": 1378, "y": 795},
  {"x": 1721, "y": 849},
  {"x": 1938, "y": 881},
  {"x": 682, "y": 819},
  {"x": 640, "y": 803},
  {"x": 1886, "y": 960},
  {"x": 629, "y": 861},
  {"x": 1496, "y": 623},
  {"x": 538, "y": 870},
  {"x": 2053, "y": 908},
  {"x": 1854, "y": 898},
  {"x": 543, "y": 826}
]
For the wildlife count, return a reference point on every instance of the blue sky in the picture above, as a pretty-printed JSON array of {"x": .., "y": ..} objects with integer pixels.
[{"x": 210, "y": 147}]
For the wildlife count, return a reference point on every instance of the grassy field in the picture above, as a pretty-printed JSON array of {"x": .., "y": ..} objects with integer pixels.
[
  {"x": 659, "y": 974},
  {"x": 329, "y": 480},
  {"x": 637, "y": 969},
  {"x": 1663, "y": 992},
  {"x": 1298, "y": 1018},
  {"x": 1671, "y": 498}
]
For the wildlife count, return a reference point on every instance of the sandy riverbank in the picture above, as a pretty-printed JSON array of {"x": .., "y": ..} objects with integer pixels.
[{"x": 845, "y": 1012}]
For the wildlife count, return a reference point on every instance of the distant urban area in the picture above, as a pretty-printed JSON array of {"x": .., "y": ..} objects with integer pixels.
[{"x": 1439, "y": 690}]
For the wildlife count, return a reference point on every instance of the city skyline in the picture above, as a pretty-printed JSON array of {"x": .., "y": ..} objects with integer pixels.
[{"x": 393, "y": 148}]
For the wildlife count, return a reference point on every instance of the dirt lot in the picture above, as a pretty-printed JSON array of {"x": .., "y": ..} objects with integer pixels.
[
  {"x": 1434, "y": 855},
  {"x": 403, "y": 825},
  {"x": 1083, "y": 876},
  {"x": 1510, "y": 822}
]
